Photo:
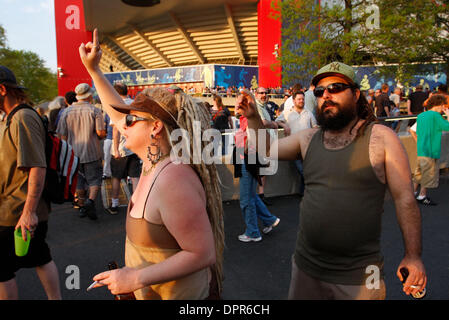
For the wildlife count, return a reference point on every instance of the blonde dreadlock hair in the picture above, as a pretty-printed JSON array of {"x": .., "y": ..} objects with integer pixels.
[{"x": 186, "y": 111}]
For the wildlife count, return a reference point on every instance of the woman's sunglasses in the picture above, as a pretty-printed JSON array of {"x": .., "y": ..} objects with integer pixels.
[
  {"x": 332, "y": 88},
  {"x": 131, "y": 119}
]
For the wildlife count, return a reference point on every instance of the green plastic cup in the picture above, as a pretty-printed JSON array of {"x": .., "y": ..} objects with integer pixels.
[{"x": 21, "y": 245}]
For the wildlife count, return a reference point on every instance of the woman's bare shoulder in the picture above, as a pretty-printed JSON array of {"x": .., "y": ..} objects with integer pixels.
[
  {"x": 180, "y": 195},
  {"x": 180, "y": 177}
]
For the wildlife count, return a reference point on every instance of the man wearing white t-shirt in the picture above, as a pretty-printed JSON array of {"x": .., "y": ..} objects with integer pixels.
[
  {"x": 288, "y": 104},
  {"x": 298, "y": 118}
]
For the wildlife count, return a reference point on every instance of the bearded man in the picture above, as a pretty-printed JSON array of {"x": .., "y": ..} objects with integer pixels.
[{"x": 348, "y": 164}]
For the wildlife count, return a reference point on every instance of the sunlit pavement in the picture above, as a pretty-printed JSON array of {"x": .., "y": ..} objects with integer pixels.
[{"x": 253, "y": 271}]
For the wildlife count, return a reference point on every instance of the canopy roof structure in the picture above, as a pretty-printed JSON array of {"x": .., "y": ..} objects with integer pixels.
[{"x": 174, "y": 33}]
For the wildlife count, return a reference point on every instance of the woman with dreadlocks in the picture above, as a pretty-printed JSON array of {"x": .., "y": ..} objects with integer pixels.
[{"x": 174, "y": 225}]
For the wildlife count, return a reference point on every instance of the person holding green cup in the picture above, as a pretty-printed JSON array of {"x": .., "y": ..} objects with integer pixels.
[
  {"x": 23, "y": 210},
  {"x": 21, "y": 243}
]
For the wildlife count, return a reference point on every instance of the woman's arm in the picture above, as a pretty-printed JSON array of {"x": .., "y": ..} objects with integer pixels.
[
  {"x": 90, "y": 54},
  {"x": 182, "y": 207}
]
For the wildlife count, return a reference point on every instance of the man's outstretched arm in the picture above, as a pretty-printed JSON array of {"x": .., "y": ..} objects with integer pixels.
[{"x": 287, "y": 148}]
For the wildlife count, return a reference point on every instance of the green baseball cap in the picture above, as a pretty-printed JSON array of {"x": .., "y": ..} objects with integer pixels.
[{"x": 335, "y": 68}]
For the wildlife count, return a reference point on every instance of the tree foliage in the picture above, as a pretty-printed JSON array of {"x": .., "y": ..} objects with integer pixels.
[
  {"x": 2, "y": 37},
  {"x": 368, "y": 32},
  {"x": 411, "y": 32},
  {"x": 314, "y": 35},
  {"x": 30, "y": 71}
]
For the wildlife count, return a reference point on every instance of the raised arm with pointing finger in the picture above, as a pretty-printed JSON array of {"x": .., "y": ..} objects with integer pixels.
[
  {"x": 90, "y": 54},
  {"x": 174, "y": 224}
]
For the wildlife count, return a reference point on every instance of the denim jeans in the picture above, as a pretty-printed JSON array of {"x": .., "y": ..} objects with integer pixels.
[
  {"x": 298, "y": 164},
  {"x": 252, "y": 206}
]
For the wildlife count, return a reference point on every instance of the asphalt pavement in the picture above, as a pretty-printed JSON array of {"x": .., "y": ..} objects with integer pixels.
[{"x": 82, "y": 248}]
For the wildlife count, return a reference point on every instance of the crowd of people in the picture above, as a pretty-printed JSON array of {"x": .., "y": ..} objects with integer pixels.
[
  {"x": 174, "y": 221},
  {"x": 233, "y": 91}
]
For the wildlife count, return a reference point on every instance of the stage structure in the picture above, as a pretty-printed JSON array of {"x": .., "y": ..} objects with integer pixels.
[
  {"x": 219, "y": 37},
  {"x": 175, "y": 41}
]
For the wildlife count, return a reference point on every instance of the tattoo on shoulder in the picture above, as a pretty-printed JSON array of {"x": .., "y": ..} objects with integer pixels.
[
  {"x": 311, "y": 133},
  {"x": 377, "y": 154}
]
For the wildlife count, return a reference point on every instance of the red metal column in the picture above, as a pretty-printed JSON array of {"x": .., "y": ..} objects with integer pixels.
[
  {"x": 70, "y": 33},
  {"x": 269, "y": 43}
]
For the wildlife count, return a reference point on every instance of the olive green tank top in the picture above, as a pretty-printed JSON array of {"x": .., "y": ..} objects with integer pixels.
[{"x": 340, "y": 214}]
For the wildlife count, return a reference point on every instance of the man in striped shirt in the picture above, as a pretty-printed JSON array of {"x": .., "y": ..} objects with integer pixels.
[{"x": 82, "y": 125}]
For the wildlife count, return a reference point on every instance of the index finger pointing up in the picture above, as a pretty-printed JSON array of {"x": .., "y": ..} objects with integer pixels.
[{"x": 95, "y": 40}]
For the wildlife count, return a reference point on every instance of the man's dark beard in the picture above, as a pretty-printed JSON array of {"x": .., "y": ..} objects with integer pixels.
[{"x": 334, "y": 121}]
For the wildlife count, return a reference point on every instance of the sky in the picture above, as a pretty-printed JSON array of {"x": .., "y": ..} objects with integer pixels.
[{"x": 30, "y": 26}]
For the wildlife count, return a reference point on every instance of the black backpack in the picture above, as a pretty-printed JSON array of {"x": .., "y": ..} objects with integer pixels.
[{"x": 62, "y": 164}]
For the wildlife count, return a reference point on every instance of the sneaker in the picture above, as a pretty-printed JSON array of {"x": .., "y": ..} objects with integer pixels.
[
  {"x": 269, "y": 228},
  {"x": 245, "y": 238},
  {"x": 426, "y": 201},
  {"x": 90, "y": 208},
  {"x": 82, "y": 212},
  {"x": 112, "y": 210}
]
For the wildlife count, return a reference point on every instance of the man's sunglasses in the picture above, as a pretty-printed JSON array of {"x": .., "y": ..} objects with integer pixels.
[
  {"x": 332, "y": 88},
  {"x": 131, "y": 119}
]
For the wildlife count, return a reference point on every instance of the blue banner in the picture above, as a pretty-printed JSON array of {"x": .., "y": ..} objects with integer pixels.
[
  {"x": 211, "y": 75},
  {"x": 239, "y": 76},
  {"x": 430, "y": 76},
  {"x": 159, "y": 76}
]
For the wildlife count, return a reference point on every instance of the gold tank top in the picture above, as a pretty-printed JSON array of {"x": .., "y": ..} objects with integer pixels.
[{"x": 162, "y": 246}]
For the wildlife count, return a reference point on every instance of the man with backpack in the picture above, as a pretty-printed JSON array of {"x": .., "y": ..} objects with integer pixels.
[
  {"x": 22, "y": 179},
  {"x": 82, "y": 126}
]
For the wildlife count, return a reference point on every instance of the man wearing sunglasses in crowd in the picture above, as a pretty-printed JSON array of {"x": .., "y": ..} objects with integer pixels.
[
  {"x": 268, "y": 116},
  {"x": 349, "y": 162}
]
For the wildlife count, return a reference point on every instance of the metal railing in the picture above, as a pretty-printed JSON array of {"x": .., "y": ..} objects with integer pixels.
[
  {"x": 403, "y": 117},
  {"x": 231, "y": 95}
]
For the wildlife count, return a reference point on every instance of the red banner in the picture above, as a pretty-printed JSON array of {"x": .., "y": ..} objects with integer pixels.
[
  {"x": 269, "y": 38},
  {"x": 70, "y": 33}
]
